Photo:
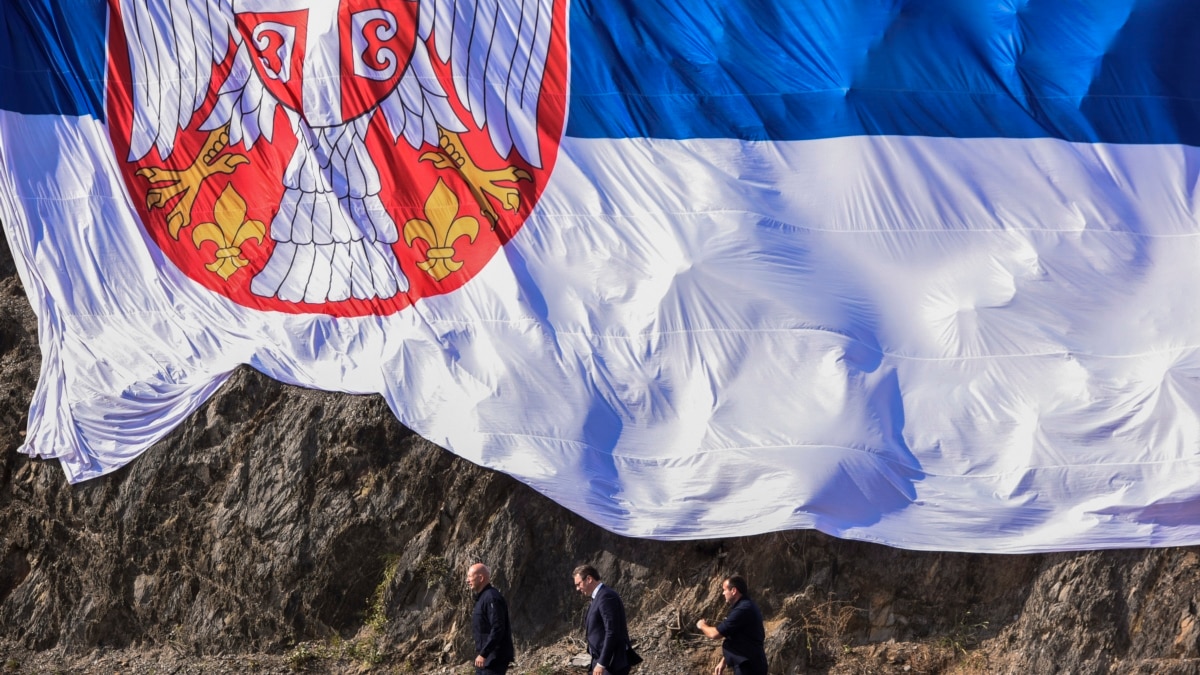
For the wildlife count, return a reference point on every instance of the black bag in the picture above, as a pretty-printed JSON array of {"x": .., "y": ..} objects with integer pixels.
[{"x": 631, "y": 656}]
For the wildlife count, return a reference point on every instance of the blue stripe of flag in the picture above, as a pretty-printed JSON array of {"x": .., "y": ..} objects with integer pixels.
[
  {"x": 1121, "y": 71},
  {"x": 1117, "y": 71},
  {"x": 52, "y": 56}
]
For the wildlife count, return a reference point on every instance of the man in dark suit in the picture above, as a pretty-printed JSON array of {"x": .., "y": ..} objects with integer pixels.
[
  {"x": 607, "y": 632},
  {"x": 489, "y": 624}
]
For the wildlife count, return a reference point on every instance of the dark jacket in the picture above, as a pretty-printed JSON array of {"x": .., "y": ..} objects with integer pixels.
[
  {"x": 744, "y": 638},
  {"x": 607, "y": 632},
  {"x": 489, "y": 624}
]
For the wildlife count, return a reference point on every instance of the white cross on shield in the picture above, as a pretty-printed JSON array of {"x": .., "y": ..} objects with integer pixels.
[{"x": 328, "y": 61}]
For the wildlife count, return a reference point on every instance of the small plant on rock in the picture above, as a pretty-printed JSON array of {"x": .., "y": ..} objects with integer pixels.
[
  {"x": 965, "y": 634},
  {"x": 826, "y": 626},
  {"x": 365, "y": 651},
  {"x": 377, "y": 610},
  {"x": 302, "y": 656},
  {"x": 434, "y": 569}
]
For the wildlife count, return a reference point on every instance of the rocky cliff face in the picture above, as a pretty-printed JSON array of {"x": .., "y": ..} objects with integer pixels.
[{"x": 282, "y": 529}]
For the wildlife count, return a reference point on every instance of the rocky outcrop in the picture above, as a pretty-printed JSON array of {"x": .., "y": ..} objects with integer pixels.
[{"x": 283, "y": 529}]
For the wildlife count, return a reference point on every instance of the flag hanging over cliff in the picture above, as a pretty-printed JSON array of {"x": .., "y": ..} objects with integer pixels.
[{"x": 917, "y": 273}]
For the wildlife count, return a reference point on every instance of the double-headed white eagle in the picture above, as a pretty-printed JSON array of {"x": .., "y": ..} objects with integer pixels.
[{"x": 332, "y": 234}]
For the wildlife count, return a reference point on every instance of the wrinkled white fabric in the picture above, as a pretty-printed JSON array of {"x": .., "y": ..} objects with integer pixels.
[{"x": 920, "y": 342}]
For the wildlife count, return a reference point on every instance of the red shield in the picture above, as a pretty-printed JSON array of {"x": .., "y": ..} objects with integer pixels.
[{"x": 329, "y": 68}]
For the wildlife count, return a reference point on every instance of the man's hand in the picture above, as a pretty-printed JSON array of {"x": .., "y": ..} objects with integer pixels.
[
  {"x": 720, "y": 667},
  {"x": 709, "y": 630},
  {"x": 479, "y": 661},
  {"x": 599, "y": 670}
]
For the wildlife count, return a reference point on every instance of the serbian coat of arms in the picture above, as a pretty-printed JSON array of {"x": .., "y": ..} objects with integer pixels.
[{"x": 346, "y": 158}]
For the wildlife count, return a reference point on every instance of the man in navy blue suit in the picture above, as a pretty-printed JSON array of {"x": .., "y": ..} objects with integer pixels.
[{"x": 607, "y": 632}]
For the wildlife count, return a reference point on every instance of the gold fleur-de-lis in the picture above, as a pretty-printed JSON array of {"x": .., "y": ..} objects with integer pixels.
[
  {"x": 441, "y": 231},
  {"x": 229, "y": 233},
  {"x": 167, "y": 184}
]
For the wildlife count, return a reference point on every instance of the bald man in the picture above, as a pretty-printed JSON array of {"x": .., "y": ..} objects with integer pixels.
[{"x": 489, "y": 624}]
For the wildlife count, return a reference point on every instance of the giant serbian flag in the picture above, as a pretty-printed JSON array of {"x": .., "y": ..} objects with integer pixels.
[{"x": 919, "y": 273}]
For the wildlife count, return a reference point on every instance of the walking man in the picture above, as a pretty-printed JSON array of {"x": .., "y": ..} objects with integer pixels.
[
  {"x": 742, "y": 629},
  {"x": 605, "y": 627},
  {"x": 489, "y": 624}
]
